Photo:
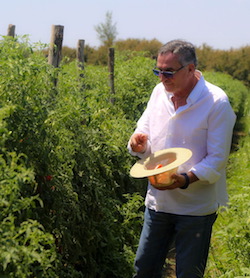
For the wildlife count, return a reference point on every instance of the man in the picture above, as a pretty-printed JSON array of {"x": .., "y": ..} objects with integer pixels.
[{"x": 185, "y": 111}]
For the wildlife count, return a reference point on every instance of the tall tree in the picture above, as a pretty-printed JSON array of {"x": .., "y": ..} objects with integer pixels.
[{"x": 107, "y": 31}]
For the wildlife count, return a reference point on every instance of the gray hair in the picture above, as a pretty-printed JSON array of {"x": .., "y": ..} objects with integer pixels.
[{"x": 185, "y": 51}]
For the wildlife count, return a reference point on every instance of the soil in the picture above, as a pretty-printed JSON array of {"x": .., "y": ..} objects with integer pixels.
[{"x": 169, "y": 268}]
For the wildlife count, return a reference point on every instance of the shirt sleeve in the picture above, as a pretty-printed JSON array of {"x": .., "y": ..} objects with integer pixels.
[{"x": 219, "y": 138}]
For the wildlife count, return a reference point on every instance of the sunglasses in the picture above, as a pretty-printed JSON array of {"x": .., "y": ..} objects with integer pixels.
[{"x": 168, "y": 74}]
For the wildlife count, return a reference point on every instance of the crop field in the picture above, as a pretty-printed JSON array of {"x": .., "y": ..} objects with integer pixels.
[{"x": 68, "y": 205}]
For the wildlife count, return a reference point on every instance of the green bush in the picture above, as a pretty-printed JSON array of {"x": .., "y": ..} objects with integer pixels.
[
  {"x": 77, "y": 162},
  {"x": 230, "y": 251},
  {"x": 26, "y": 249}
]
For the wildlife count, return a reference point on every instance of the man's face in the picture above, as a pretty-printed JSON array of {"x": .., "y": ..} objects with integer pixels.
[{"x": 180, "y": 80}]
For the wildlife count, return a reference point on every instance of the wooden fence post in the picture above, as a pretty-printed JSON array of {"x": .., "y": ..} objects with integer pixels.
[
  {"x": 11, "y": 30},
  {"x": 55, "y": 49},
  {"x": 80, "y": 61},
  {"x": 111, "y": 65},
  {"x": 80, "y": 54}
]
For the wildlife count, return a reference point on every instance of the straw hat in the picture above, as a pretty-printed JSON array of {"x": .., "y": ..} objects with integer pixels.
[{"x": 159, "y": 166}]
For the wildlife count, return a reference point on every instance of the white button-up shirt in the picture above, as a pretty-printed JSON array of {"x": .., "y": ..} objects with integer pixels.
[{"x": 204, "y": 125}]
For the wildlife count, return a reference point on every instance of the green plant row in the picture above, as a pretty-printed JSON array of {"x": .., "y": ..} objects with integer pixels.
[
  {"x": 230, "y": 250},
  {"x": 71, "y": 141}
]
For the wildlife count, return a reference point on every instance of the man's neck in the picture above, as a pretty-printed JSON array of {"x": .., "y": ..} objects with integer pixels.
[{"x": 180, "y": 98}]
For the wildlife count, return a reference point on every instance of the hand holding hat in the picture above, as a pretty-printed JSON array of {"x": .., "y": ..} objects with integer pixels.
[{"x": 161, "y": 166}]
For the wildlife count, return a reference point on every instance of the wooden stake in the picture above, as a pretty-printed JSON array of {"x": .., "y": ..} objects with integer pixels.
[
  {"x": 11, "y": 30},
  {"x": 111, "y": 64},
  {"x": 55, "y": 49},
  {"x": 80, "y": 60},
  {"x": 80, "y": 54}
]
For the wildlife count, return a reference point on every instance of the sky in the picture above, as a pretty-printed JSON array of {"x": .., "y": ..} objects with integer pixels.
[{"x": 221, "y": 24}]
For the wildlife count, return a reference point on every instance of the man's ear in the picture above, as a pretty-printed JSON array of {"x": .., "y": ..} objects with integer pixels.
[{"x": 191, "y": 68}]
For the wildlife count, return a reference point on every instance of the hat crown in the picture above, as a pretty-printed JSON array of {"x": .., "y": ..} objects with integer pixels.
[{"x": 169, "y": 158}]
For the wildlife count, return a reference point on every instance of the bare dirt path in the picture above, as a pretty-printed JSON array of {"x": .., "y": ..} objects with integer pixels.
[{"x": 169, "y": 269}]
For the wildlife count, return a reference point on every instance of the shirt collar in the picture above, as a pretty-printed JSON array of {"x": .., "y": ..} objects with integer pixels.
[{"x": 195, "y": 93}]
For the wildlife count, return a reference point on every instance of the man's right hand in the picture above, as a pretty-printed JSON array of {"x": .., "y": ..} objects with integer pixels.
[{"x": 138, "y": 142}]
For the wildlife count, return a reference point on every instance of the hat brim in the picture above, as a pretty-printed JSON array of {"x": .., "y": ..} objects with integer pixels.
[{"x": 168, "y": 158}]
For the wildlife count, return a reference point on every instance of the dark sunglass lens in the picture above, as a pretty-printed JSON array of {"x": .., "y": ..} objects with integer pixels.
[
  {"x": 156, "y": 72},
  {"x": 168, "y": 74}
]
